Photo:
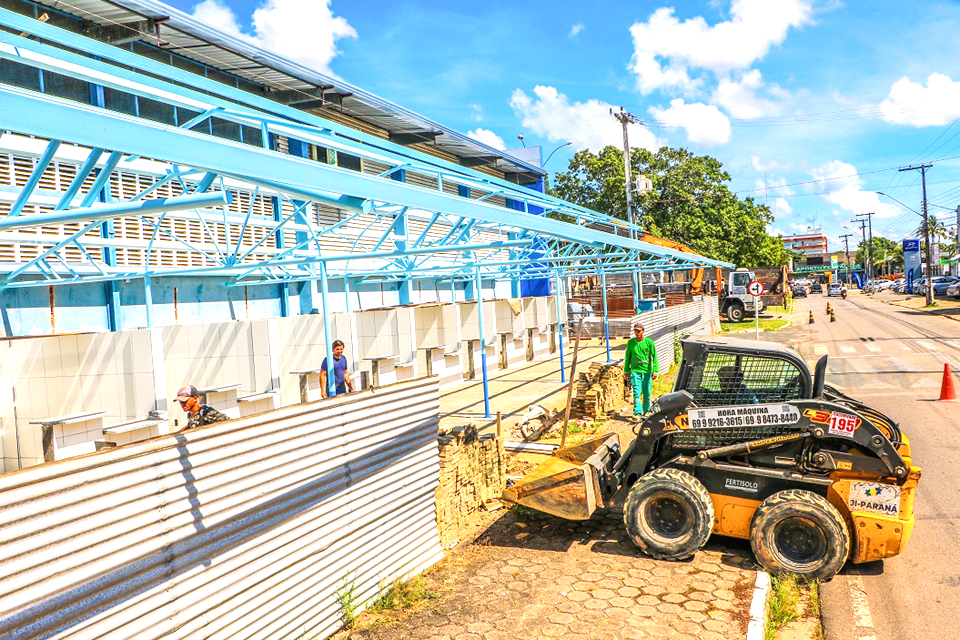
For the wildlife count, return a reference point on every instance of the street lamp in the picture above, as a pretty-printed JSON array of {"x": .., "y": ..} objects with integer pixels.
[{"x": 565, "y": 144}]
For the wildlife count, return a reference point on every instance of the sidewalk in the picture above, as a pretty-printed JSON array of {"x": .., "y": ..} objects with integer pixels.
[
  {"x": 513, "y": 390},
  {"x": 946, "y": 307}
]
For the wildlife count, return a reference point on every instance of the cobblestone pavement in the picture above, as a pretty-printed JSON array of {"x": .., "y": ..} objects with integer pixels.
[{"x": 542, "y": 577}]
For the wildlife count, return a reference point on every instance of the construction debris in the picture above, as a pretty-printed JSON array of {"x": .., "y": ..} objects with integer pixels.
[
  {"x": 472, "y": 473},
  {"x": 599, "y": 391}
]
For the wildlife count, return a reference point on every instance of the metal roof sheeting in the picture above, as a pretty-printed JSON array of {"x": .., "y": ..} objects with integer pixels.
[
  {"x": 243, "y": 529},
  {"x": 186, "y": 36}
]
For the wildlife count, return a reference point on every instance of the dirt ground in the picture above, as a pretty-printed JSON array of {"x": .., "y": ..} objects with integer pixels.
[{"x": 533, "y": 576}]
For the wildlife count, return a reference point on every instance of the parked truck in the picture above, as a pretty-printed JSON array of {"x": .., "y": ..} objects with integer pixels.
[{"x": 735, "y": 302}]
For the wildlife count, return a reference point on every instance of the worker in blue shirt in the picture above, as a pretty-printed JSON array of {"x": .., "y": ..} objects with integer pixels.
[{"x": 341, "y": 376}]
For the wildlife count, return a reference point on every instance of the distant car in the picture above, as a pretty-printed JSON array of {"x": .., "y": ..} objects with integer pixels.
[
  {"x": 816, "y": 287},
  {"x": 953, "y": 291},
  {"x": 940, "y": 284},
  {"x": 799, "y": 292},
  {"x": 883, "y": 285},
  {"x": 835, "y": 289}
]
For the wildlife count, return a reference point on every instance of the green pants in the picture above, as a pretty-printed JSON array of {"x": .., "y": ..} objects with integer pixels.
[{"x": 642, "y": 384}]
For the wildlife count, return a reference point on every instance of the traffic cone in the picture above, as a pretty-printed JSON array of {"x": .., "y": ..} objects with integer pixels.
[
  {"x": 947, "y": 390},
  {"x": 829, "y": 310},
  {"x": 833, "y": 318},
  {"x": 811, "y": 317}
]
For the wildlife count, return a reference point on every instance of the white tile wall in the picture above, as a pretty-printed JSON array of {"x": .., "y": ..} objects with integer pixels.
[{"x": 131, "y": 373}]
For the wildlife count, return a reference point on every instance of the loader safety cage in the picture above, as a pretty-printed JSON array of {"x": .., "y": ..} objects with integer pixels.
[{"x": 124, "y": 167}]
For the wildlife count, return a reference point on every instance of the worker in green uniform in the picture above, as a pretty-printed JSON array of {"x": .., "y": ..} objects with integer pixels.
[{"x": 640, "y": 369}]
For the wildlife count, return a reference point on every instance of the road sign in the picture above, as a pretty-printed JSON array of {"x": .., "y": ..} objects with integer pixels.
[{"x": 755, "y": 288}]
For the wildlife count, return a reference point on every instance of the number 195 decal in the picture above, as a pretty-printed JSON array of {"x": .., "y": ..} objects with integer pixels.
[{"x": 840, "y": 424}]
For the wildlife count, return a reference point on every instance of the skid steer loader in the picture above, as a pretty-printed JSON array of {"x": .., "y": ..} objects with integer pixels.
[{"x": 749, "y": 444}]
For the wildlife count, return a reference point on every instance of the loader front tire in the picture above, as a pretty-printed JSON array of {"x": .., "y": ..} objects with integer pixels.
[
  {"x": 798, "y": 532},
  {"x": 668, "y": 514}
]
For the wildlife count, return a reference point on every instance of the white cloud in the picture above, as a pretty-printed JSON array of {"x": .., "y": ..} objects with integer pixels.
[
  {"x": 704, "y": 123},
  {"x": 305, "y": 31},
  {"x": 576, "y": 29},
  {"x": 913, "y": 104},
  {"x": 666, "y": 48},
  {"x": 775, "y": 193},
  {"x": 842, "y": 187},
  {"x": 488, "y": 138},
  {"x": 738, "y": 95},
  {"x": 588, "y": 125}
]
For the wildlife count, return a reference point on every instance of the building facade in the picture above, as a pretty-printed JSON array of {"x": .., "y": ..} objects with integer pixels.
[{"x": 811, "y": 243}]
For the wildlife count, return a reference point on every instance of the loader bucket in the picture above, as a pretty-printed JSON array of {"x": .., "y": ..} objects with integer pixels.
[{"x": 566, "y": 484}]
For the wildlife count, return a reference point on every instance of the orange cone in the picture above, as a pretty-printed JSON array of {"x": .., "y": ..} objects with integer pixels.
[
  {"x": 811, "y": 317},
  {"x": 833, "y": 318},
  {"x": 947, "y": 390}
]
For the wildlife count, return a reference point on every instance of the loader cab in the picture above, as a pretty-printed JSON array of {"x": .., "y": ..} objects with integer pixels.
[{"x": 729, "y": 371}]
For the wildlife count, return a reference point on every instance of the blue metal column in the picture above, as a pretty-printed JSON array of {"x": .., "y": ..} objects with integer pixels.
[
  {"x": 405, "y": 288},
  {"x": 514, "y": 279},
  {"x": 148, "y": 301},
  {"x": 280, "y": 244},
  {"x": 346, "y": 291},
  {"x": 606, "y": 319},
  {"x": 453, "y": 290},
  {"x": 483, "y": 345},
  {"x": 563, "y": 373},
  {"x": 327, "y": 330}
]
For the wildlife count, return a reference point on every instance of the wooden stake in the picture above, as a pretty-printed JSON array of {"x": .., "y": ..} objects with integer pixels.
[
  {"x": 499, "y": 424},
  {"x": 570, "y": 382}
]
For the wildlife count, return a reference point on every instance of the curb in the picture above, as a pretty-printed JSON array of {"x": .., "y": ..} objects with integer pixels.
[
  {"x": 929, "y": 313},
  {"x": 758, "y": 607}
]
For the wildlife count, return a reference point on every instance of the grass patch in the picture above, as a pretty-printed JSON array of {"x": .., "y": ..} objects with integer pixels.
[
  {"x": 404, "y": 595},
  {"x": 932, "y": 305},
  {"x": 749, "y": 326},
  {"x": 783, "y": 606},
  {"x": 347, "y": 597},
  {"x": 664, "y": 383}
]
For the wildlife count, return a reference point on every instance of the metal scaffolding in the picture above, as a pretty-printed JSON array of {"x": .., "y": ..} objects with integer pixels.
[{"x": 324, "y": 223}]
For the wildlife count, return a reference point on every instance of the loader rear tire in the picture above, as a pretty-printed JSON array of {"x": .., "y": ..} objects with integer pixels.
[
  {"x": 668, "y": 514},
  {"x": 798, "y": 532}
]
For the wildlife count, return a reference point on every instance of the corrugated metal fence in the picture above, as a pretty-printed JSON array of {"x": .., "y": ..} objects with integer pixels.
[
  {"x": 699, "y": 317},
  {"x": 243, "y": 529}
]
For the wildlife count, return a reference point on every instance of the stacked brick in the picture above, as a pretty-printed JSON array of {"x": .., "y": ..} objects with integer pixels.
[
  {"x": 599, "y": 391},
  {"x": 472, "y": 471}
]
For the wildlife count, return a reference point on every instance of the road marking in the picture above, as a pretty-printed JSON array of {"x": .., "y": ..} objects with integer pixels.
[
  {"x": 847, "y": 349},
  {"x": 927, "y": 345},
  {"x": 874, "y": 348},
  {"x": 904, "y": 346},
  {"x": 861, "y": 609},
  {"x": 820, "y": 350}
]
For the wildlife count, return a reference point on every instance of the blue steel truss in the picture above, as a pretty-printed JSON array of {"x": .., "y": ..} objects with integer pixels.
[
  {"x": 325, "y": 221},
  {"x": 540, "y": 243}
]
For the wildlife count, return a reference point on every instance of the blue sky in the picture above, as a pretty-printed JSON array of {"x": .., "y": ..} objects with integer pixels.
[{"x": 810, "y": 104}]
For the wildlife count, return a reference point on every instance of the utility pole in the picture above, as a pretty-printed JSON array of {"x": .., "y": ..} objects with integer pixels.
[
  {"x": 863, "y": 234},
  {"x": 869, "y": 216},
  {"x": 926, "y": 228},
  {"x": 625, "y": 118},
  {"x": 956, "y": 244},
  {"x": 846, "y": 243}
]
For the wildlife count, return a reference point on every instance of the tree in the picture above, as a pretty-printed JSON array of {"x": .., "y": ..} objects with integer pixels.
[
  {"x": 886, "y": 254},
  {"x": 690, "y": 203}
]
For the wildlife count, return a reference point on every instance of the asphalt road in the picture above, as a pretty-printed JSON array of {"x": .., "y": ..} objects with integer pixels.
[{"x": 892, "y": 358}]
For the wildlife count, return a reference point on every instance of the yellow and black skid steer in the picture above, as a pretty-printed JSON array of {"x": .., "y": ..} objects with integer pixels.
[{"x": 748, "y": 444}]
